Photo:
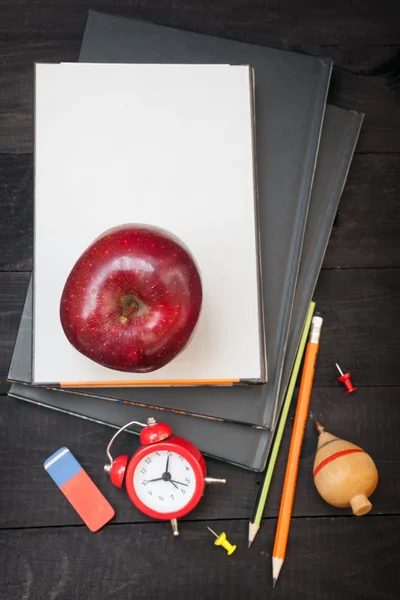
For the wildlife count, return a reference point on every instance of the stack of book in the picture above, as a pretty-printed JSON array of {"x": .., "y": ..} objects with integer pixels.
[{"x": 233, "y": 148}]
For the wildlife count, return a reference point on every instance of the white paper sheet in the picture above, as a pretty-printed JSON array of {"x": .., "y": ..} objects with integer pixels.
[{"x": 169, "y": 145}]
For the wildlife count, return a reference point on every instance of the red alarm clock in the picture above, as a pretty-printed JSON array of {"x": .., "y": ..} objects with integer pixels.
[{"x": 166, "y": 477}]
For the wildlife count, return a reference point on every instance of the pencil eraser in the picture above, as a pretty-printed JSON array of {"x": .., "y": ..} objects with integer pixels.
[{"x": 79, "y": 489}]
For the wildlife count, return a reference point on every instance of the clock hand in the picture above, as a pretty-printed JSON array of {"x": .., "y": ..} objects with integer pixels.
[
  {"x": 161, "y": 478},
  {"x": 166, "y": 466},
  {"x": 179, "y": 482}
]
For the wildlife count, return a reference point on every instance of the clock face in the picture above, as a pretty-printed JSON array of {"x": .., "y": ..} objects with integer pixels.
[{"x": 164, "y": 481}]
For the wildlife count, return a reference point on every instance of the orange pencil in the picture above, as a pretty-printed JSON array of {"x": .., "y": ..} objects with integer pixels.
[{"x": 292, "y": 467}]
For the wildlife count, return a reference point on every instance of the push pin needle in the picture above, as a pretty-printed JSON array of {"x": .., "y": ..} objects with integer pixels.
[
  {"x": 222, "y": 541},
  {"x": 345, "y": 379}
]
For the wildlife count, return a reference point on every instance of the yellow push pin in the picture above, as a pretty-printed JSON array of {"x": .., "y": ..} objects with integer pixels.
[{"x": 222, "y": 541}]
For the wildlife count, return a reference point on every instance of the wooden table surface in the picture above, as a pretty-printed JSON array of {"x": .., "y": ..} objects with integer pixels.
[{"x": 46, "y": 553}]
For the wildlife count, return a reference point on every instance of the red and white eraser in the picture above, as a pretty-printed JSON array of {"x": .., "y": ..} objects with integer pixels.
[{"x": 79, "y": 489}]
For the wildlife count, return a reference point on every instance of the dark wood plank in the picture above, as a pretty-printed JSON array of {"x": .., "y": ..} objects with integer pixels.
[
  {"x": 362, "y": 419},
  {"x": 16, "y": 86},
  {"x": 13, "y": 288},
  {"x": 16, "y": 201},
  {"x": 360, "y": 332},
  {"x": 364, "y": 79},
  {"x": 367, "y": 232},
  {"x": 270, "y": 22},
  {"x": 352, "y": 559},
  {"x": 367, "y": 229}
]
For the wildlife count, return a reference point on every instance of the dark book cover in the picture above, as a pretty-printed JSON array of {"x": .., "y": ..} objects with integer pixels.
[{"x": 290, "y": 101}]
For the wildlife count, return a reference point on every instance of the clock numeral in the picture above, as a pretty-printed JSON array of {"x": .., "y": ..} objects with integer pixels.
[
  {"x": 161, "y": 498},
  {"x": 150, "y": 492},
  {"x": 143, "y": 471},
  {"x": 183, "y": 491},
  {"x": 187, "y": 479},
  {"x": 180, "y": 457},
  {"x": 148, "y": 460},
  {"x": 158, "y": 454},
  {"x": 145, "y": 482},
  {"x": 172, "y": 496}
]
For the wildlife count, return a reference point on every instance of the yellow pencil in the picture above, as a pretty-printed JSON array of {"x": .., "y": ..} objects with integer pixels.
[{"x": 289, "y": 486}]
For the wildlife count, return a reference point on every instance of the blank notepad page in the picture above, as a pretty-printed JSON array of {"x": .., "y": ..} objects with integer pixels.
[{"x": 165, "y": 145}]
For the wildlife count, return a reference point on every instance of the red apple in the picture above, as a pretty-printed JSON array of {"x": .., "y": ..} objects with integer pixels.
[{"x": 132, "y": 300}]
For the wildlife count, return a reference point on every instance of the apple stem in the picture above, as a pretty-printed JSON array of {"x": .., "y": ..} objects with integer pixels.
[{"x": 128, "y": 313}]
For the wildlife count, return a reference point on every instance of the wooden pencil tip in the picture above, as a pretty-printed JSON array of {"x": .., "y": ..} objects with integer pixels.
[
  {"x": 320, "y": 428},
  {"x": 253, "y": 530},
  {"x": 276, "y": 569}
]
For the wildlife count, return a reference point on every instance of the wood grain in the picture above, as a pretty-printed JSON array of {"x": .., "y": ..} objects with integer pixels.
[
  {"x": 367, "y": 232},
  {"x": 360, "y": 310},
  {"x": 350, "y": 558},
  {"x": 16, "y": 201},
  {"x": 367, "y": 229},
  {"x": 13, "y": 288},
  {"x": 31, "y": 433},
  {"x": 364, "y": 78},
  {"x": 269, "y": 22}
]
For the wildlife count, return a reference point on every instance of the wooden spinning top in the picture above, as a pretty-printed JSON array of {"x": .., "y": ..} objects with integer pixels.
[{"x": 344, "y": 474}]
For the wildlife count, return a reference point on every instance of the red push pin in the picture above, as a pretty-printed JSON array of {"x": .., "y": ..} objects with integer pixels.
[{"x": 345, "y": 379}]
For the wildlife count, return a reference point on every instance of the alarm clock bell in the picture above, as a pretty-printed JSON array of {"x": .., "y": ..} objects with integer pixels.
[{"x": 165, "y": 478}]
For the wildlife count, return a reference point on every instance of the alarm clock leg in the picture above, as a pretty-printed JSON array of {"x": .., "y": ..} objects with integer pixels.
[{"x": 174, "y": 525}]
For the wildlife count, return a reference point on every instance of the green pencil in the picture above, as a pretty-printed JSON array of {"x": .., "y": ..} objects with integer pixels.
[{"x": 261, "y": 499}]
